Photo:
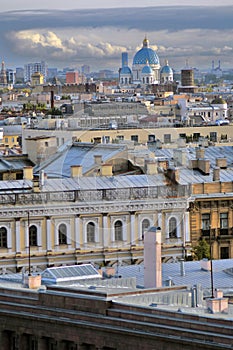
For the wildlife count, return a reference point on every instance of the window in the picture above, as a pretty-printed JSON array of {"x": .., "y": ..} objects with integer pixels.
[
  {"x": 3, "y": 237},
  {"x": 205, "y": 221},
  {"x": 172, "y": 228},
  {"x": 223, "y": 223},
  {"x": 46, "y": 144},
  {"x": 62, "y": 234},
  {"x": 134, "y": 138},
  {"x": 223, "y": 220},
  {"x": 91, "y": 232},
  {"x": 33, "y": 236},
  {"x": 118, "y": 231},
  {"x": 145, "y": 226},
  {"x": 224, "y": 253},
  {"x": 205, "y": 224},
  {"x": 167, "y": 138}
]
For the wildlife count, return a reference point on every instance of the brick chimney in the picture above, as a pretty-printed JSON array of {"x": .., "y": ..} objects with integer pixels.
[
  {"x": 152, "y": 258},
  {"x": 221, "y": 162},
  {"x": 98, "y": 159},
  {"x": 151, "y": 167},
  {"x": 216, "y": 174},
  {"x": 76, "y": 171},
  {"x": 106, "y": 170},
  {"x": 28, "y": 173}
]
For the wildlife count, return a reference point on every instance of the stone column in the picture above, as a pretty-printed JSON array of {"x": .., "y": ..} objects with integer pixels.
[
  {"x": 132, "y": 228},
  {"x": 105, "y": 230},
  {"x": 77, "y": 231},
  {"x": 48, "y": 233},
  {"x": 9, "y": 238},
  {"x": 186, "y": 228},
  {"x": 17, "y": 236}
]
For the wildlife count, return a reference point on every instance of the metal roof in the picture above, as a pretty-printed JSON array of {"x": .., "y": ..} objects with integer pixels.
[
  {"x": 193, "y": 274},
  {"x": 78, "y": 154},
  {"x": 69, "y": 273}
]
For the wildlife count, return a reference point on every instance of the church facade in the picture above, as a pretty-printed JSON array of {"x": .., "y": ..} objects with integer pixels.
[{"x": 146, "y": 68}]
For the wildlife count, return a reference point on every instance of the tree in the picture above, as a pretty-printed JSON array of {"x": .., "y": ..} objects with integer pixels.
[{"x": 202, "y": 250}]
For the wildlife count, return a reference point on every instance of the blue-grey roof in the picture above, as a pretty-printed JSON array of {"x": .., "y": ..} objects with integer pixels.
[
  {"x": 69, "y": 273},
  {"x": 79, "y": 154},
  {"x": 193, "y": 274},
  {"x": 103, "y": 182},
  {"x": 14, "y": 163}
]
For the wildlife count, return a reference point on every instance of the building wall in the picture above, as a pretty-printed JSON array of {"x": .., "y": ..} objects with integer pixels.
[
  {"x": 77, "y": 209},
  {"x": 115, "y": 135},
  {"x": 73, "y": 320}
]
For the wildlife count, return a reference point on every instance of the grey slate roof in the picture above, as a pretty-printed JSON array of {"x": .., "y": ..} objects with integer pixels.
[
  {"x": 78, "y": 154},
  {"x": 193, "y": 274}
]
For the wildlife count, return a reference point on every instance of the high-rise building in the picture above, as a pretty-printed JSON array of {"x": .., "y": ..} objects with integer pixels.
[
  {"x": 3, "y": 76},
  {"x": 38, "y": 67},
  {"x": 85, "y": 69},
  {"x": 72, "y": 78},
  {"x": 19, "y": 75}
]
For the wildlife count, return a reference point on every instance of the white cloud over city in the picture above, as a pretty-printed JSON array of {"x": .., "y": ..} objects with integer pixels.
[{"x": 98, "y": 36}]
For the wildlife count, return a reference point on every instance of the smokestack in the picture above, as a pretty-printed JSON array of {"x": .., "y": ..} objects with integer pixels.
[
  {"x": 182, "y": 270},
  {"x": 152, "y": 258},
  {"x": 28, "y": 173},
  {"x": 52, "y": 99},
  {"x": 216, "y": 174}
]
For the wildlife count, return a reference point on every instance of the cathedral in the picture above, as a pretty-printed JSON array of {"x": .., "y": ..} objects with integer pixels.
[{"x": 146, "y": 69}]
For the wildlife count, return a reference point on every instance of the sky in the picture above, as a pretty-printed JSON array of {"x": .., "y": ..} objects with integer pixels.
[{"x": 75, "y": 32}]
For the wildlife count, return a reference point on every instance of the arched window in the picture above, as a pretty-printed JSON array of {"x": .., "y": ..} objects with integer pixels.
[
  {"x": 62, "y": 234},
  {"x": 172, "y": 228},
  {"x": 3, "y": 237},
  {"x": 33, "y": 236},
  {"x": 118, "y": 228},
  {"x": 90, "y": 232},
  {"x": 145, "y": 226}
]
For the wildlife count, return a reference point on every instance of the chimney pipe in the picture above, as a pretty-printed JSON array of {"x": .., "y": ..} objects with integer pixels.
[{"x": 152, "y": 258}]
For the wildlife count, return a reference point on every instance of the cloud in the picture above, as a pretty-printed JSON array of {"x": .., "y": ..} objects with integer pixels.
[
  {"x": 99, "y": 36},
  {"x": 51, "y": 45}
]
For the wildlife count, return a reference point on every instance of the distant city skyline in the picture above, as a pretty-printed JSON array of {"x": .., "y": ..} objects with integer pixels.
[{"x": 69, "y": 35}]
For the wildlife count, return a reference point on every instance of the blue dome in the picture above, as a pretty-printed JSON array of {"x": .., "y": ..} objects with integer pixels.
[
  {"x": 147, "y": 70},
  {"x": 125, "y": 70},
  {"x": 166, "y": 70},
  {"x": 145, "y": 55}
]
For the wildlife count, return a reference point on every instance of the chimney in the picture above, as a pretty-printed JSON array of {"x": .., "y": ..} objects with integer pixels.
[
  {"x": 216, "y": 174},
  {"x": 173, "y": 174},
  {"x": 42, "y": 178},
  {"x": 152, "y": 258},
  {"x": 76, "y": 171},
  {"x": 204, "y": 166},
  {"x": 200, "y": 153},
  {"x": 221, "y": 162},
  {"x": 151, "y": 167},
  {"x": 182, "y": 269},
  {"x": 98, "y": 159},
  {"x": 28, "y": 173},
  {"x": 106, "y": 170}
]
